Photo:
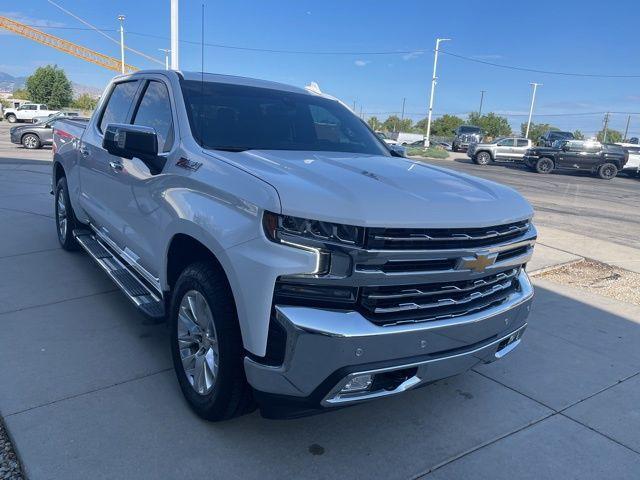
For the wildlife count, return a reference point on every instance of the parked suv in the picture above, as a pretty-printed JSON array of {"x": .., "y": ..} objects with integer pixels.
[
  {"x": 507, "y": 149},
  {"x": 300, "y": 264},
  {"x": 604, "y": 160},
  {"x": 550, "y": 136},
  {"x": 27, "y": 112},
  {"x": 465, "y": 135}
]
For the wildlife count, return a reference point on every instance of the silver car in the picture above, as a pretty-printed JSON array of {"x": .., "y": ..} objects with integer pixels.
[{"x": 508, "y": 149}]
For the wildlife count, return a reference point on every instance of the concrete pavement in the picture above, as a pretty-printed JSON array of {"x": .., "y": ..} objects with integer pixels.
[{"x": 86, "y": 389}]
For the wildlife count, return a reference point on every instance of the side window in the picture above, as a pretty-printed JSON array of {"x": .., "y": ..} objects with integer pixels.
[
  {"x": 43, "y": 107},
  {"x": 507, "y": 142},
  {"x": 522, "y": 142},
  {"x": 118, "y": 104},
  {"x": 154, "y": 111}
]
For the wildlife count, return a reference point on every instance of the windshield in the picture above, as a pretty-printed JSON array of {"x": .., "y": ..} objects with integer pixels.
[
  {"x": 468, "y": 129},
  {"x": 237, "y": 117},
  {"x": 561, "y": 135}
]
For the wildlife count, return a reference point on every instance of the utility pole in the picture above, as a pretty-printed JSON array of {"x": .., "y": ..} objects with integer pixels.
[
  {"x": 122, "y": 66},
  {"x": 626, "y": 130},
  {"x": 402, "y": 114},
  {"x": 354, "y": 106},
  {"x": 175, "y": 65},
  {"x": 606, "y": 127},
  {"x": 360, "y": 111},
  {"x": 533, "y": 99},
  {"x": 433, "y": 88},
  {"x": 482, "y": 92},
  {"x": 166, "y": 57}
]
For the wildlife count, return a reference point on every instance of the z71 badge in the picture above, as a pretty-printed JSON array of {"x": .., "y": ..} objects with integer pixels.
[{"x": 188, "y": 164}]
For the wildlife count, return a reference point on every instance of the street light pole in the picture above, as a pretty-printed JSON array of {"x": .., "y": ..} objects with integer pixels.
[
  {"x": 481, "y": 100},
  {"x": 122, "y": 67},
  {"x": 166, "y": 57},
  {"x": 433, "y": 88},
  {"x": 533, "y": 99},
  {"x": 174, "y": 35}
]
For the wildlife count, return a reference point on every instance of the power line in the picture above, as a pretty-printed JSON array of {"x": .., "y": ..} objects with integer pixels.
[{"x": 534, "y": 70}]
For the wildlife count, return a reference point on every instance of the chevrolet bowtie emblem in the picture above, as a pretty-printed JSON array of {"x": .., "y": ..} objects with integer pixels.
[{"x": 479, "y": 262}]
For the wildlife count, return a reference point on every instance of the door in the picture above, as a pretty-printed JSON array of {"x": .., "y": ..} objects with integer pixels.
[
  {"x": 139, "y": 203},
  {"x": 504, "y": 148},
  {"x": 27, "y": 112},
  {"x": 571, "y": 155},
  {"x": 522, "y": 144},
  {"x": 99, "y": 170}
]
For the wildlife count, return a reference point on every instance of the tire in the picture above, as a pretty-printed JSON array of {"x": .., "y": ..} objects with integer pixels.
[
  {"x": 483, "y": 158},
  {"x": 213, "y": 382},
  {"x": 11, "y": 118},
  {"x": 544, "y": 165},
  {"x": 607, "y": 171},
  {"x": 64, "y": 217},
  {"x": 31, "y": 141}
]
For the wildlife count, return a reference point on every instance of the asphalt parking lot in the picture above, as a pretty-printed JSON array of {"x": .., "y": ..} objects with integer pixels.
[{"x": 87, "y": 390}]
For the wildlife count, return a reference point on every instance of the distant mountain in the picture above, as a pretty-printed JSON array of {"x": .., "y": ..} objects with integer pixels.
[{"x": 9, "y": 83}]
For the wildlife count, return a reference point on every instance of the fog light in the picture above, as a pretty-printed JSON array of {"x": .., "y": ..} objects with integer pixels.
[{"x": 358, "y": 383}]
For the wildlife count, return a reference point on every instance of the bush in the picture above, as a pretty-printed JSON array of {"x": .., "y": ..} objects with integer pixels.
[{"x": 431, "y": 152}]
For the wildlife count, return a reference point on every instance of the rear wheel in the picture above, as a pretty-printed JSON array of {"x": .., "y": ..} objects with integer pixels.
[
  {"x": 31, "y": 141},
  {"x": 65, "y": 218},
  {"x": 607, "y": 171},
  {"x": 206, "y": 344},
  {"x": 544, "y": 165},
  {"x": 482, "y": 158},
  {"x": 11, "y": 118}
]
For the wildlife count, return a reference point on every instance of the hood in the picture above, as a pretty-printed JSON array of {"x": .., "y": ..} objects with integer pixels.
[{"x": 379, "y": 191}]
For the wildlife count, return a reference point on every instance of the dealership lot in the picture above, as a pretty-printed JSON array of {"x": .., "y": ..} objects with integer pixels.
[{"x": 88, "y": 390}]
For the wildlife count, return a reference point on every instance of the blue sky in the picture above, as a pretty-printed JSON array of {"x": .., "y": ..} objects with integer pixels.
[{"x": 569, "y": 36}]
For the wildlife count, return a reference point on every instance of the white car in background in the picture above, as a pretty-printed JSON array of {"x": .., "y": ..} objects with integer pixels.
[
  {"x": 27, "y": 112},
  {"x": 633, "y": 164}
]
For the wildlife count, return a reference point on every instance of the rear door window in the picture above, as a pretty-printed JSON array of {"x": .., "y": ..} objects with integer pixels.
[
  {"x": 154, "y": 111},
  {"x": 118, "y": 105},
  {"x": 521, "y": 142}
]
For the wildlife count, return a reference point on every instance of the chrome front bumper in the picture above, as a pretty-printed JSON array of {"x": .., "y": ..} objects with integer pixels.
[{"x": 326, "y": 348}]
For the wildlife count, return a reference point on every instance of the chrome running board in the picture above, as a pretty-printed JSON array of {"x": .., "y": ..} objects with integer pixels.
[{"x": 145, "y": 297}]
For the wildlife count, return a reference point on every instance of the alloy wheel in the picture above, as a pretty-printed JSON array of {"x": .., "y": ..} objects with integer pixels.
[
  {"x": 198, "y": 342},
  {"x": 61, "y": 214},
  {"x": 30, "y": 141}
]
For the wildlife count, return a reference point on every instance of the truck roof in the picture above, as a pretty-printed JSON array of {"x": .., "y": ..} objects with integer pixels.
[{"x": 230, "y": 79}]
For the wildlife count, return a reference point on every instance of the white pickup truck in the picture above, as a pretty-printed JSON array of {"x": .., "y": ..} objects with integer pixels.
[
  {"x": 27, "y": 112},
  {"x": 301, "y": 264}
]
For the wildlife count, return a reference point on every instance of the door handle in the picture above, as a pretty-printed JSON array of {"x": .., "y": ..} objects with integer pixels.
[{"x": 117, "y": 166}]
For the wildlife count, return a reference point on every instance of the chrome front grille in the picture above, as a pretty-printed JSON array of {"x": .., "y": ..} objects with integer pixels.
[
  {"x": 433, "y": 301},
  {"x": 420, "y": 239}
]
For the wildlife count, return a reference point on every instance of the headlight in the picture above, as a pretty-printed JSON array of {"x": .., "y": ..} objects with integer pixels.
[{"x": 285, "y": 228}]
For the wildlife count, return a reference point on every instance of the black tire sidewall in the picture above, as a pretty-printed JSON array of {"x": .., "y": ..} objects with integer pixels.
[
  {"x": 69, "y": 243},
  {"x": 607, "y": 177},
  {"x": 34, "y": 136},
  {"x": 540, "y": 162},
  {"x": 217, "y": 404}
]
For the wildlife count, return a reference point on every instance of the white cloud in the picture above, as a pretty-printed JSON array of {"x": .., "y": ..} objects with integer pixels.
[
  {"x": 412, "y": 55},
  {"x": 361, "y": 63}
]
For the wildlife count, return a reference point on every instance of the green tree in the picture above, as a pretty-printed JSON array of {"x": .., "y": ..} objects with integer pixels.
[
  {"x": 578, "y": 135},
  {"x": 85, "y": 102},
  {"x": 493, "y": 125},
  {"x": 395, "y": 124},
  {"x": 536, "y": 130},
  {"x": 50, "y": 85},
  {"x": 20, "y": 93},
  {"x": 442, "y": 126},
  {"x": 613, "y": 136}
]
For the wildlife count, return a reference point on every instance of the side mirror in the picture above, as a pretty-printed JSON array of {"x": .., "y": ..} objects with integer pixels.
[{"x": 129, "y": 141}]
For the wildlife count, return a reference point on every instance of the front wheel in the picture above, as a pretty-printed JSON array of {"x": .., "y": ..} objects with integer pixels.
[
  {"x": 31, "y": 141},
  {"x": 11, "y": 118},
  {"x": 482, "y": 158},
  {"x": 544, "y": 165},
  {"x": 607, "y": 171},
  {"x": 206, "y": 344}
]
